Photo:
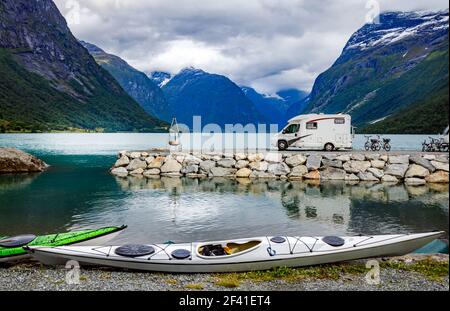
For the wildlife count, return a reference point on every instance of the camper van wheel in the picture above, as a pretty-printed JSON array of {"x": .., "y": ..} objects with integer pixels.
[
  {"x": 329, "y": 147},
  {"x": 282, "y": 145}
]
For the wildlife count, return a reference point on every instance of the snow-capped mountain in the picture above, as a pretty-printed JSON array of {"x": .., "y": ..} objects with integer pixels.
[
  {"x": 396, "y": 26},
  {"x": 160, "y": 78},
  {"x": 386, "y": 67}
]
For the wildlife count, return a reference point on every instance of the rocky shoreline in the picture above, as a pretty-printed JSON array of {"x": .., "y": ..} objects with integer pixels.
[
  {"x": 14, "y": 161},
  {"x": 412, "y": 169},
  {"x": 411, "y": 272}
]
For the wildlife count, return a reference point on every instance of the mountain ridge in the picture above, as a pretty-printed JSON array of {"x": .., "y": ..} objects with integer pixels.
[{"x": 48, "y": 81}]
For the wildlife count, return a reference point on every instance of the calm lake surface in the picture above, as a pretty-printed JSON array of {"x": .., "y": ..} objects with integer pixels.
[{"x": 78, "y": 192}]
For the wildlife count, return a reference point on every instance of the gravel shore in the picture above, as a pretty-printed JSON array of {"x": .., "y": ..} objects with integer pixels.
[{"x": 30, "y": 276}]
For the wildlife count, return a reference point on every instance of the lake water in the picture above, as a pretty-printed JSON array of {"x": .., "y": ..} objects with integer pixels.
[{"x": 78, "y": 192}]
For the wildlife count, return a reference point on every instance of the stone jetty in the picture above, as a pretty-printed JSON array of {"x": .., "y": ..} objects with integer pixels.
[{"x": 414, "y": 169}]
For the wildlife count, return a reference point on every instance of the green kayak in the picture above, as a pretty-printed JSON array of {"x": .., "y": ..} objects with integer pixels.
[{"x": 11, "y": 248}]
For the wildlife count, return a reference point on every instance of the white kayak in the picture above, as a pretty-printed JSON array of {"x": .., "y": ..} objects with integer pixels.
[{"x": 260, "y": 253}]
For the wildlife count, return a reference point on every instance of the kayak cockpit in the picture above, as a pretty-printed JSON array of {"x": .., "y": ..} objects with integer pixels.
[{"x": 226, "y": 249}]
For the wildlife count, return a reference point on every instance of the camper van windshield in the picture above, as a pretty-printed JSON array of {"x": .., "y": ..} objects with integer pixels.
[{"x": 292, "y": 129}]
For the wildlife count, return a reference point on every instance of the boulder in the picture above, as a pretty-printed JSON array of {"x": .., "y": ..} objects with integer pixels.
[
  {"x": 384, "y": 157},
  {"x": 349, "y": 169},
  {"x": 120, "y": 171},
  {"x": 332, "y": 163},
  {"x": 442, "y": 158},
  {"x": 422, "y": 162},
  {"x": 415, "y": 181},
  {"x": 171, "y": 166},
  {"x": 399, "y": 159},
  {"x": 376, "y": 172},
  {"x": 437, "y": 177},
  {"x": 222, "y": 172},
  {"x": 156, "y": 162},
  {"x": 259, "y": 166},
  {"x": 378, "y": 164},
  {"x": 440, "y": 166},
  {"x": 16, "y": 161},
  {"x": 139, "y": 171},
  {"x": 429, "y": 157},
  {"x": 152, "y": 172},
  {"x": 191, "y": 160},
  {"x": 240, "y": 156},
  {"x": 149, "y": 159},
  {"x": 135, "y": 155},
  {"x": 351, "y": 177},
  {"x": 273, "y": 157},
  {"x": 389, "y": 179},
  {"x": 254, "y": 157},
  {"x": 295, "y": 160},
  {"x": 372, "y": 156},
  {"x": 145, "y": 154},
  {"x": 136, "y": 164},
  {"x": 359, "y": 166},
  {"x": 206, "y": 166},
  {"x": 397, "y": 170},
  {"x": 243, "y": 173},
  {"x": 343, "y": 158},
  {"x": 367, "y": 176},
  {"x": 190, "y": 169},
  {"x": 226, "y": 163},
  {"x": 261, "y": 174},
  {"x": 315, "y": 175},
  {"x": 358, "y": 157},
  {"x": 123, "y": 161},
  {"x": 417, "y": 171},
  {"x": 279, "y": 169},
  {"x": 299, "y": 171},
  {"x": 332, "y": 173},
  {"x": 314, "y": 162},
  {"x": 241, "y": 164},
  {"x": 180, "y": 158}
]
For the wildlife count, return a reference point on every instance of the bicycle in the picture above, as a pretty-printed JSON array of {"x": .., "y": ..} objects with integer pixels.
[{"x": 387, "y": 144}]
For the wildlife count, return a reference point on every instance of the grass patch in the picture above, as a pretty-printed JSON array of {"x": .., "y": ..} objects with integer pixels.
[
  {"x": 229, "y": 280},
  {"x": 195, "y": 286},
  {"x": 172, "y": 281},
  {"x": 433, "y": 270}
]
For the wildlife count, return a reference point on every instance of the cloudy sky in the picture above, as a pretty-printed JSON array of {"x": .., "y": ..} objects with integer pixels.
[{"x": 267, "y": 44}]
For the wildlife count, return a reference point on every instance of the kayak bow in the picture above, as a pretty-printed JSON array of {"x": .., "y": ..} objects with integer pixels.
[
  {"x": 12, "y": 248},
  {"x": 238, "y": 255}
]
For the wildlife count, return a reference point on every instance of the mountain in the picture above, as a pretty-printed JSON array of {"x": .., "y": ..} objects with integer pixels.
[
  {"x": 218, "y": 100},
  {"x": 160, "y": 78},
  {"x": 48, "y": 81},
  {"x": 274, "y": 107},
  {"x": 140, "y": 87},
  {"x": 387, "y": 68}
]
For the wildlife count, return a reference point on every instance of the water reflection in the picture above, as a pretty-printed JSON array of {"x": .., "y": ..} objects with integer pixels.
[{"x": 309, "y": 208}]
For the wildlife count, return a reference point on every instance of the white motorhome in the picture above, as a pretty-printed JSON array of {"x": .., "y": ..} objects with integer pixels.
[{"x": 316, "y": 132}]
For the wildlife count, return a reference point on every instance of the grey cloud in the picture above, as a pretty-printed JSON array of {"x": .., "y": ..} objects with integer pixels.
[{"x": 268, "y": 44}]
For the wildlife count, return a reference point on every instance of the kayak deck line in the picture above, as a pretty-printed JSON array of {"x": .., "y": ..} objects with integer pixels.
[{"x": 256, "y": 254}]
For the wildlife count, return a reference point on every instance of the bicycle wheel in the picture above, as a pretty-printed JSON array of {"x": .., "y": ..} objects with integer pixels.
[
  {"x": 387, "y": 147},
  {"x": 367, "y": 146}
]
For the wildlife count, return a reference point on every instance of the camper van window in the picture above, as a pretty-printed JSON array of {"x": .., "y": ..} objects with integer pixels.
[
  {"x": 339, "y": 121},
  {"x": 292, "y": 129},
  {"x": 311, "y": 126}
]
